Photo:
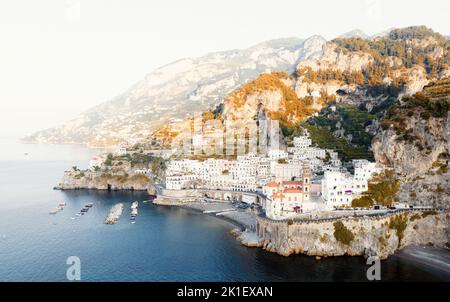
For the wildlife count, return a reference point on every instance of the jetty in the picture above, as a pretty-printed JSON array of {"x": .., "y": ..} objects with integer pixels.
[{"x": 114, "y": 214}]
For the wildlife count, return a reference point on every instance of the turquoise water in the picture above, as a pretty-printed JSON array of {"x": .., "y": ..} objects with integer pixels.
[{"x": 165, "y": 244}]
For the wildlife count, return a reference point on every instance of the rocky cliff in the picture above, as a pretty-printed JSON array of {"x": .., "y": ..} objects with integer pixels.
[
  {"x": 270, "y": 95},
  {"x": 135, "y": 171},
  {"x": 414, "y": 141},
  {"x": 378, "y": 237},
  {"x": 74, "y": 180}
]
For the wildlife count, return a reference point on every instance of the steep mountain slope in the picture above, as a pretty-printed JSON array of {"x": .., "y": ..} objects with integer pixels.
[
  {"x": 177, "y": 89},
  {"x": 369, "y": 75},
  {"x": 360, "y": 78},
  {"x": 414, "y": 141}
]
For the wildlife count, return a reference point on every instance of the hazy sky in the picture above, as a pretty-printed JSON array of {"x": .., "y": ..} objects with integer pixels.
[{"x": 60, "y": 57}]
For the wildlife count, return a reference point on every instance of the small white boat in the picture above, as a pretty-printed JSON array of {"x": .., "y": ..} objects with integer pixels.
[
  {"x": 53, "y": 212},
  {"x": 134, "y": 205}
]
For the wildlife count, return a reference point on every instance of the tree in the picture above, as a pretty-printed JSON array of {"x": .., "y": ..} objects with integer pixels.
[
  {"x": 109, "y": 158},
  {"x": 384, "y": 191},
  {"x": 364, "y": 201}
]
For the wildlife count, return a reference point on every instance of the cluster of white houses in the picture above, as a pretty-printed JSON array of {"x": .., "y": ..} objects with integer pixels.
[{"x": 288, "y": 179}]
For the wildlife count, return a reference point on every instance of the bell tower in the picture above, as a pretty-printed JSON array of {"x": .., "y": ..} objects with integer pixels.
[{"x": 306, "y": 180}]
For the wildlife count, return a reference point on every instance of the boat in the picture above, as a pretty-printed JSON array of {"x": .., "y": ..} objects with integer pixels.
[
  {"x": 78, "y": 214},
  {"x": 134, "y": 205},
  {"x": 89, "y": 205},
  {"x": 53, "y": 211},
  {"x": 62, "y": 204}
]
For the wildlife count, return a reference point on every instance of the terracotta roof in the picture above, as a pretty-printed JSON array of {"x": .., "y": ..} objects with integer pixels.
[
  {"x": 292, "y": 183},
  {"x": 292, "y": 191},
  {"x": 277, "y": 195},
  {"x": 272, "y": 184}
]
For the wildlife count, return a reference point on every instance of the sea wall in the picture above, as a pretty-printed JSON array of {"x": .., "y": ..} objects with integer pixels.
[
  {"x": 372, "y": 236},
  {"x": 180, "y": 197},
  {"x": 177, "y": 197}
]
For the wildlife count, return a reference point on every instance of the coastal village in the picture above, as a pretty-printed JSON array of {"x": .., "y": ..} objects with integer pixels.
[
  {"x": 301, "y": 179},
  {"x": 364, "y": 168},
  {"x": 301, "y": 199}
]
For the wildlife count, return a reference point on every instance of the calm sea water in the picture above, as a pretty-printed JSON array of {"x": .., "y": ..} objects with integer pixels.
[{"x": 165, "y": 244}]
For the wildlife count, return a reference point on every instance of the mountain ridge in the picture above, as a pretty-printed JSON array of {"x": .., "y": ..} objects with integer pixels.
[{"x": 176, "y": 89}]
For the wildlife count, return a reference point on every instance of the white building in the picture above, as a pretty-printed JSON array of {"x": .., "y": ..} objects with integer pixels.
[
  {"x": 302, "y": 142},
  {"x": 222, "y": 182},
  {"x": 276, "y": 154},
  {"x": 339, "y": 189},
  {"x": 283, "y": 172},
  {"x": 179, "y": 182},
  {"x": 122, "y": 151},
  {"x": 364, "y": 170}
]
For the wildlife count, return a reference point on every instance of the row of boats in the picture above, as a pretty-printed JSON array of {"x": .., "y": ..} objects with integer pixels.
[
  {"x": 58, "y": 208},
  {"x": 85, "y": 209},
  {"x": 134, "y": 212}
]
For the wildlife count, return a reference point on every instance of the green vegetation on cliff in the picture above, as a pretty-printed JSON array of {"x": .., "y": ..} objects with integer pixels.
[
  {"x": 354, "y": 142},
  {"x": 411, "y": 45},
  {"x": 399, "y": 224},
  {"x": 391, "y": 57},
  {"x": 342, "y": 233},
  {"x": 382, "y": 191},
  {"x": 432, "y": 101},
  {"x": 348, "y": 118}
]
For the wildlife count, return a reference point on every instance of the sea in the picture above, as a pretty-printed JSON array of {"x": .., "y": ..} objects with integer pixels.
[{"x": 165, "y": 243}]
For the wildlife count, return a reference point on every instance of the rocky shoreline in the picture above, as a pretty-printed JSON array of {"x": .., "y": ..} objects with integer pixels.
[{"x": 368, "y": 237}]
